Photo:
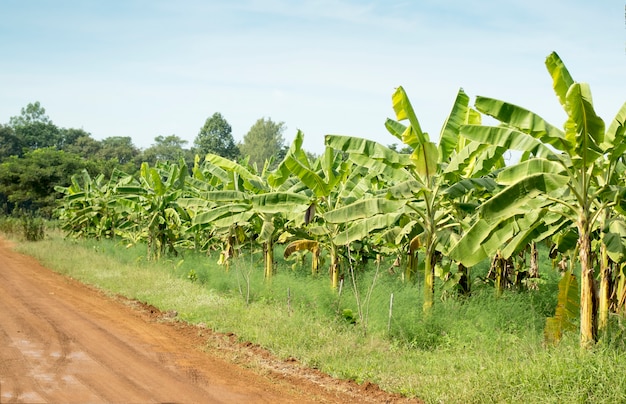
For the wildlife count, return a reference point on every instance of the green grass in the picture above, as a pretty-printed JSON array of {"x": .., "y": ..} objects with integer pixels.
[{"x": 480, "y": 349}]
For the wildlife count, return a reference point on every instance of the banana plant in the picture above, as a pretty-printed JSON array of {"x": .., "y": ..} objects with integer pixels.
[
  {"x": 424, "y": 180},
  {"x": 245, "y": 199},
  {"x": 152, "y": 200},
  {"x": 89, "y": 205},
  {"x": 332, "y": 182},
  {"x": 559, "y": 177}
]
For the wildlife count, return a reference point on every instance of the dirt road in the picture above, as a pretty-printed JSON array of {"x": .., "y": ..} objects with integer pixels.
[{"x": 63, "y": 342}]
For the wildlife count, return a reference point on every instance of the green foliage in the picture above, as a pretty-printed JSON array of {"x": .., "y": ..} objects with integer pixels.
[
  {"x": 29, "y": 182},
  {"x": 9, "y": 225},
  {"x": 34, "y": 128},
  {"x": 33, "y": 228},
  {"x": 23, "y": 225},
  {"x": 10, "y": 144},
  {"x": 216, "y": 137},
  {"x": 118, "y": 148},
  {"x": 165, "y": 148},
  {"x": 263, "y": 141}
]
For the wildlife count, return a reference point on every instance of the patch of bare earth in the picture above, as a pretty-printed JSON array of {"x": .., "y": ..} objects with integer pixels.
[{"x": 62, "y": 341}]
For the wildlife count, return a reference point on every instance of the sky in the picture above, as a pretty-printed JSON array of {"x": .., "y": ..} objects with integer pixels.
[{"x": 144, "y": 68}]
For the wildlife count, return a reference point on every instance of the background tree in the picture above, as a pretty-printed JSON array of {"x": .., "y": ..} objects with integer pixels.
[
  {"x": 10, "y": 144},
  {"x": 119, "y": 148},
  {"x": 263, "y": 141},
  {"x": 216, "y": 137},
  {"x": 166, "y": 148},
  {"x": 28, "y": 182},
  {"x": 34, "y": 128},
  {"x": 83, "y": 145},
  {"x": 69, "y": 136}
]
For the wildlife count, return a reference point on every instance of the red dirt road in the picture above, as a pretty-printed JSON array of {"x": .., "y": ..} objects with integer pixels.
[{"x": 63, "y": 342}]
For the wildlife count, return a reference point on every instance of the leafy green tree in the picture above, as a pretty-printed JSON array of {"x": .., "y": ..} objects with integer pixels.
[
  {"x": 216, "y": 137},
  {"x": 119, "y": 148},
  {"x": 10, "y": 144},
  {"x": 84, "y": 145},
  {"x": 264, "y": 141},
  {"x": 29, "y": 182},
  {"x": 165, "y": 148},
  {"x": 69, "y": 136},
  {"x": 34, "y": 128}
]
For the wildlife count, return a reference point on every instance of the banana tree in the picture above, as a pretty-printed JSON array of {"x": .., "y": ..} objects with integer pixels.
[
  {"x": 332, "y": 182},
  {"x": 424, "y": 179},
  {"x": 246, "y": 199},
  {"x": 89, "y": 205},
  {"x": 557, "y": 177},
  {"x": 152, "y": 199}
]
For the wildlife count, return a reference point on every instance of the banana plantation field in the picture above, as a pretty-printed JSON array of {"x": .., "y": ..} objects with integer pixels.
[{"x": 447, "y": 223}]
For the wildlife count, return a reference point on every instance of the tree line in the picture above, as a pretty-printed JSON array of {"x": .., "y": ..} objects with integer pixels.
[{"x": 36, "y": 155}]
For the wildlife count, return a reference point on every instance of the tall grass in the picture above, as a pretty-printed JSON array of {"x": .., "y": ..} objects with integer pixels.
[{"x": 470, "y": 350}]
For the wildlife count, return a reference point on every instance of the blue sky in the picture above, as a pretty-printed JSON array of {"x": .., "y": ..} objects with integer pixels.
[{"x": 144, "y": 68}]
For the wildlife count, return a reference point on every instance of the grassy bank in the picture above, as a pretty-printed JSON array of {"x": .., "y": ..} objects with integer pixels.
[{"x": 481, "y": 349}]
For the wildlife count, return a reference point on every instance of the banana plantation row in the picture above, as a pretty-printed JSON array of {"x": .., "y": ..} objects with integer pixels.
[{"x": 454, "y": 204}]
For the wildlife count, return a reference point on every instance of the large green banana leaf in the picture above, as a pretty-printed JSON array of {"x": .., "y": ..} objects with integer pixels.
[
  {"x": 614, "y": 238},
  {"x": 515, "y": 198},
  {"x": 561, "y": 78},
  {"x": 470, "y": 185},
  {"x": 461, "y": 114},
  {"x": 514, "y": 173},
  {"x": 614, "y": 142},
  {"x": 413, "y": 135},
  {"x": 486, "y": 237},
  {"x": 584, "y": 128},
  {"x": 219, "y": 212},
  {"x": 311, "y": 179},
  {"x": 364, "y": 228},
  {"x": 373, "y": 150},
  {"x": 280, "y": 202},
  {"x": 363, "y": 209},
  {"x": 525, "y": 120},
  {"x": 507, "y": 138}
]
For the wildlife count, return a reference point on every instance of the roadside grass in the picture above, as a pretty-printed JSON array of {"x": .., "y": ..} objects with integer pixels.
[{"x": 472, "y": 350}]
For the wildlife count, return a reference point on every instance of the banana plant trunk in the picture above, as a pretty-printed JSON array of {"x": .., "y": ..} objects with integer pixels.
[
  {"x": 605, "y": 289},
  {"x": 533, "y": 271},
  {"x": 334, "y": 267},
  {"x": 315, "y": 261},
  {"x": 588, "y": 309},
  {"x": 411, "y": 265},
  {"x": 464, "y": 282},
  {"x": 498, "y": 267},
  {"x": 268, "y": 253},
  {"x": 429, "y": 278},
  {"x": 534, "y": 261}
]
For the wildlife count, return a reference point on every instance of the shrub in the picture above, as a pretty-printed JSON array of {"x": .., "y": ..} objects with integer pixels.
[{"x": 34, "y": 228}]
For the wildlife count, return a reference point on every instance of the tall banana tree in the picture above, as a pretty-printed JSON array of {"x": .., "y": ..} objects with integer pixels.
[
  {"x": 332, "y": 183},
  {"x": 423, "y": 180},
  {"x": 558, "y": 176}
]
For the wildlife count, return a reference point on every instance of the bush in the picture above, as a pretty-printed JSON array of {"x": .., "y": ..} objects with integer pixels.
[
  {"x": 9, "y": 225},
  {"x": 34, "y": 228}
]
